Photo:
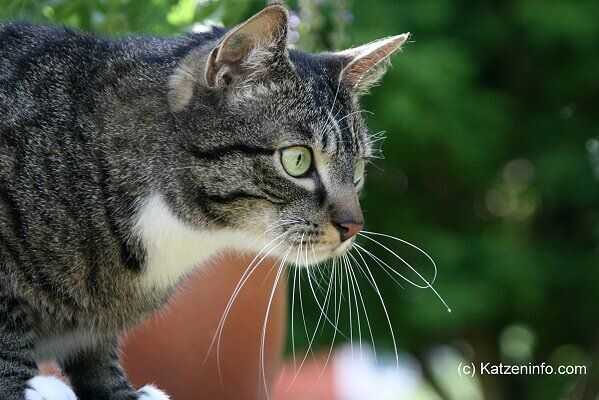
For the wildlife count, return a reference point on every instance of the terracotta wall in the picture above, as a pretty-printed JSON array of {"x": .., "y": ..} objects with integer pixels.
[{"x": 170, "y": 349}]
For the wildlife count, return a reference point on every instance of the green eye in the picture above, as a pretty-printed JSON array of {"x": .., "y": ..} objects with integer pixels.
[
  {"x": 359, "y": 171},
  {"x": 296, "y": 160}
]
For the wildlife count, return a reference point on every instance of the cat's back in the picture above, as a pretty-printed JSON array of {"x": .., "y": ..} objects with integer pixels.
[
  {"x": 28, "y": 51},
  {"x": 20, "y": 40},
  {"x": 41, "y": 68},
  {"x": 17, "y": 40},
  {"x": 24, "y": 44},
  {"x": 45, "y": 63}
]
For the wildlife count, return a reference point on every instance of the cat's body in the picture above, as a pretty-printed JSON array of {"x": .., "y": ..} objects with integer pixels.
[
  {"x": 119, "y": 174},
  {"x": 65, "y": 221},
  {"x": 73, "y": 185}
]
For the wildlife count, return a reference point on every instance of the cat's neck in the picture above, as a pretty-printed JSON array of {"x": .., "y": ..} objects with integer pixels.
[{"x": 173, "y": 248}]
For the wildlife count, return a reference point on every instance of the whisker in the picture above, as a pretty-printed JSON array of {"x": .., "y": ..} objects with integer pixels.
[
  {"x": 314, "y": 267},
  {"x": 338, "y": 314},
  {"x": 378, "y": 134},
  {"x": 293, "y": 316},
  {"x": 381, "y": 262},
  {"x": 376, "y": 137},
  {"x": 380, "y": 296},
  {"x": 311, "y": 339},
  {"x": 321, "y": 307},
  {"x": 335, "y": 98},
  {"x": 363, "y": 303},
  {"x": 350, "y": 280},
  {"x": 299, "y": 281},
  {"x": 266, "y": 317},
  {"x": 423, "y": 252},
  {"x": 352, "y": 113},
  {"x": 358, "y": 247},
  {"x": 428, "y": 284},
  {"x": 349, "y": 310},
  {"x": 318, "y": 278},
  {"x": 372, "y": 163},
  {"x": 384, "y": 267},
  {"x": 252, "y": 266},
  {"x": 306, "y": 251}
]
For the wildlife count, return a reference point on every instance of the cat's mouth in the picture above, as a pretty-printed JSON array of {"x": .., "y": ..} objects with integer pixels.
[{"x": 306, "y": 244}]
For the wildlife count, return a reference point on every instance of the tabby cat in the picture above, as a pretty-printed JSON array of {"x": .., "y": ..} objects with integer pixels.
[{"x": 126, "y": 163}]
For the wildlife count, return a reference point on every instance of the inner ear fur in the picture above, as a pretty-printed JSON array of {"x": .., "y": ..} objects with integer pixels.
[
  {"x": 244, "y": 52},
  {"x": 248, "y": 48},
  {"x": 366, "y": 64}
]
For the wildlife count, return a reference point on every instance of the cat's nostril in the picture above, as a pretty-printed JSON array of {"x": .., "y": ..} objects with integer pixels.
[{"x": 347, "y": 230}]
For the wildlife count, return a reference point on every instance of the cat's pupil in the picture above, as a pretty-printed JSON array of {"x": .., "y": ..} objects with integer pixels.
[{"x": 299, "y": 160}]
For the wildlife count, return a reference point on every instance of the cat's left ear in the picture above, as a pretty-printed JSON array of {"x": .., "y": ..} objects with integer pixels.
[
  {"x": 365, "y": 65},
  {"x": 248, "y": 51},
  {"x": 248, "y": 48}
]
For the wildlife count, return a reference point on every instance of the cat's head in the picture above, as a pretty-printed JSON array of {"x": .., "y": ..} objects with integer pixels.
[{"x": 283, "y": 145}]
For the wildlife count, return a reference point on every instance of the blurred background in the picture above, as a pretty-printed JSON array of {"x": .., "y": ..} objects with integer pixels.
[{"x": 491, "y": 118}]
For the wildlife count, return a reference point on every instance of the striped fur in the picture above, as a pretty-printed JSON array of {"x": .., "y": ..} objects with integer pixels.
[{"x": 122, "y": 168}]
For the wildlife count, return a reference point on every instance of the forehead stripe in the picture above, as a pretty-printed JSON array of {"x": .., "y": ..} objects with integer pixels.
[
  {"x": 333, "y": 126},
  {"x": 214, "y": 153}
]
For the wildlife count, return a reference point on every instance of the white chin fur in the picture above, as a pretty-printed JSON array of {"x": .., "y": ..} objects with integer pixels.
[
  {"x": 150, "y": 392},
  {"x": 48, "y": 388}
]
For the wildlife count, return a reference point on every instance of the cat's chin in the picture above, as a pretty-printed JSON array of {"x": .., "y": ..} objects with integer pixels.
[{"x": 342, "y": 248}]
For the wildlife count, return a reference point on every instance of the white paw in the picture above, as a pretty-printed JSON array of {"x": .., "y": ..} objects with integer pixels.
[
  {"x": 48, "y": 388},
  {"x": 150, "y": 392}
]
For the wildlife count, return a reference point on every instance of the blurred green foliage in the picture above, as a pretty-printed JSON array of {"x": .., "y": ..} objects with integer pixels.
[{"x": 492, "y": 164}]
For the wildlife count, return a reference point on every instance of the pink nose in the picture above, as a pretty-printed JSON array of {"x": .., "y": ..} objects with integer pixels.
[{"x": 347, "y": 230}]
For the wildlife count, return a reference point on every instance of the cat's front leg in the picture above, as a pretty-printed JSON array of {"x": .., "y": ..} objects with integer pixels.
[
  {"x": 96, "y": 374},
  {"x": 17, "y": 364}
]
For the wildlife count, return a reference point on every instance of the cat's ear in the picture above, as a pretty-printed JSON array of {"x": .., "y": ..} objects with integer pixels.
[
  {"x": 247, "y": 51},
  {"x": 365, "y": 65},
  {"x": 248, "y": 48}
]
